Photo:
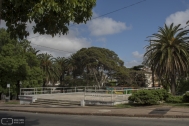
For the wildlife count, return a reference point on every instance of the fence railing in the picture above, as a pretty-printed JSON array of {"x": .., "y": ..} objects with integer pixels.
[
  {"x": 56, "y": 90},
  {"x": 89, "y": 93}
]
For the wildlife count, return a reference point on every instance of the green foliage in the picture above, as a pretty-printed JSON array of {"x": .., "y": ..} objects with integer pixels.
[
  {"x": 183, "y": 85},
  {"x": 174, "y": 99},
  {"x": 50, "y": 16},
  {"x": 186, "y": 97},
  {"x": 144, "y": 97},
  {"x": 17, "y": 64},
  {"x": 161, "y": 93},
  {"x": 167, "y": 53},
  {"x": 149, "y": 97},
  {"x": 96, "y": 62},
  {"x": 137, "y": 77}
]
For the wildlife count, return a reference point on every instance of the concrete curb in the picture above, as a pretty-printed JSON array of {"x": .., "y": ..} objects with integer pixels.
[{"x": 103, "y": 114}]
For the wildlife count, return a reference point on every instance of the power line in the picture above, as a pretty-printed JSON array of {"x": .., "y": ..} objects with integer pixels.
[
  {"x": 91, "y": 20},
  {"x": 106, "y": 13},
  {"x": 118, "y": 9},
  {"x": 51, "y": 48}
]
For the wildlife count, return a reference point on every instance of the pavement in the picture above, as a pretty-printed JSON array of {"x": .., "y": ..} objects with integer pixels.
[{"x": 145, "y": 111}]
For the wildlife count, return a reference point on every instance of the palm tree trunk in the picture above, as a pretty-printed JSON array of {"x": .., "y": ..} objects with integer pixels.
[
  {"x": 153, "y": 84},
  {"x": 173, "y": 85}
]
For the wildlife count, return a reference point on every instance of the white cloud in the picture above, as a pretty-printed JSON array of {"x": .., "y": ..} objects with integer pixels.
[
  {"x": 133, "y": 63},
  {"x": 136, "y": 54},
  {"x": 180, "y": 17},
  {"x": 105, "y": 26},
  {"x": 61, "y": 46}
]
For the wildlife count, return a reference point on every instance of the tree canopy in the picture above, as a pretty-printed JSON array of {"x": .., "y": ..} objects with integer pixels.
[
  {"x": 50, "y": 16},
  {"x": 168, "y": 54},
  {"x": 18, "y": 63},
  {"x": 99, "y": 62}
]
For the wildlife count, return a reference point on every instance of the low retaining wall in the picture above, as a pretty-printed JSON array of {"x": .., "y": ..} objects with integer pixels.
[
  {"x": 24, "y": 99},
  {"x": 101, "y": 103}
]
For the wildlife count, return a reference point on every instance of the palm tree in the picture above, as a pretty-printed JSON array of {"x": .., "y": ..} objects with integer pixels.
[
  {"x": 168, "y": 53},
  {"x": 61, "y": 66},
  {"x": 47, "y": 67}
]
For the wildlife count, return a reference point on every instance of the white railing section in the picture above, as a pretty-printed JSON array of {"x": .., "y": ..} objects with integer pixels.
[
  {"x": 89, "y": 93},
  {"x": 54, "y": 90}
]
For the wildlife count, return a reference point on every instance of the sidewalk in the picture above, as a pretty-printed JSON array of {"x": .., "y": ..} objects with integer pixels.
[{"x": 152, "y": 111}]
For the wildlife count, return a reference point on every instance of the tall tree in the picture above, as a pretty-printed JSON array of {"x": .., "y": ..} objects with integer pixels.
[
  {"x": 61, "y": 66},
  {"x": 46, "y": 64},
  {"x": 17, "y": 64},
  {"x": 97, "y": 61},
  {"x": 169, "y": 53},
  {"x": 49, "y": 16}
]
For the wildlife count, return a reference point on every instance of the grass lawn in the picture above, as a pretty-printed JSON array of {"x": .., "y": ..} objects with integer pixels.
[
  {"x": 13, "y": 102},
  {"x": 176, "y": 104},
  {"x": 128, "y": 105}
]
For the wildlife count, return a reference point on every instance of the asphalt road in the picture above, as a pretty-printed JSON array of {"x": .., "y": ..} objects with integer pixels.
[{"x": 35, "y": 119}]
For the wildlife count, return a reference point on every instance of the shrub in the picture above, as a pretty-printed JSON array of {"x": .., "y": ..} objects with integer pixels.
[
  {"x": 161, "y": 93},
  {"x": 144, "y": 97},
  {"x": 186, "y": 97},
  {"x": 174, "y": 99}
]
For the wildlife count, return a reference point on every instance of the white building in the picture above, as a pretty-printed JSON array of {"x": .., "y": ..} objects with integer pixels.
[{"x": 148, "y": 76}]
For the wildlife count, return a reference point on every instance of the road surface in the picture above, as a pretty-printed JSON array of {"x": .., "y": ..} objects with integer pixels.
[{"x": 35, "y": 119}]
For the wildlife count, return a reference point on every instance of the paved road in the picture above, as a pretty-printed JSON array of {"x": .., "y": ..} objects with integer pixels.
[{"x": 34, "y": 119}]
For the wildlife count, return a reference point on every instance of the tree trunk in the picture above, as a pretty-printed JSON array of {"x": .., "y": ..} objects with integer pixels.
[
  {"x": 173, "y": 85},
  {"x": 18, "y": 90},
  {"x": 96, "y": 78},
  {"x": 153, "y": 84},
  {"x": 62, "y": 79}
]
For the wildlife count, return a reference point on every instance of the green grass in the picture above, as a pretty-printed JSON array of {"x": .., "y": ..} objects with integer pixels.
[
  {"x": 176, "y": 104},
  {"x": 124, "y": 105},
  {"x": 128, "y": 105},
  {"x": 12, "y": 102}
]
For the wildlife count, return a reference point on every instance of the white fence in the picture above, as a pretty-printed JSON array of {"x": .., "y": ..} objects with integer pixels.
[
  {"x": 54, "y": 90},
  {"x": 88, "y": 93}
]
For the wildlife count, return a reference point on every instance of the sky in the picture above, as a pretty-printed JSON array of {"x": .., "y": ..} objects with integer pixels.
[{"x": 125, "y": 31}]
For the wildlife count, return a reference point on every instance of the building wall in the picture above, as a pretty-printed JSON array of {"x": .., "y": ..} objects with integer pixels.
[{"x": 148, "y": 76}]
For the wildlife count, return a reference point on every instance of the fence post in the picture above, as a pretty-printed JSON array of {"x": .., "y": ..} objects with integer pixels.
[
  {"x": 75, "y": 89},
  {"x": 111, "y": 95},
  {"x": 20, "y": 90},
  {"x": 84, "y": 93}
]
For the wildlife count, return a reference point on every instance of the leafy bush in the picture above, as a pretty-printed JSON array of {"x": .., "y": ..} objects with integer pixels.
[
  {"x": 186, "y": 97},
  {"x": 161, "y": 93},
  {"x": 149, "y": 97},
  {"x": 174, "y": 99},
  {"x": 183, "y": 85},
  {"x": 144, "y": 97}
]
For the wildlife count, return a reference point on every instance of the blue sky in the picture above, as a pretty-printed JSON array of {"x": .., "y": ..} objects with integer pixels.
[
  {"x": 124, "y": 31},
  {"x": 140, "y": 21}
]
